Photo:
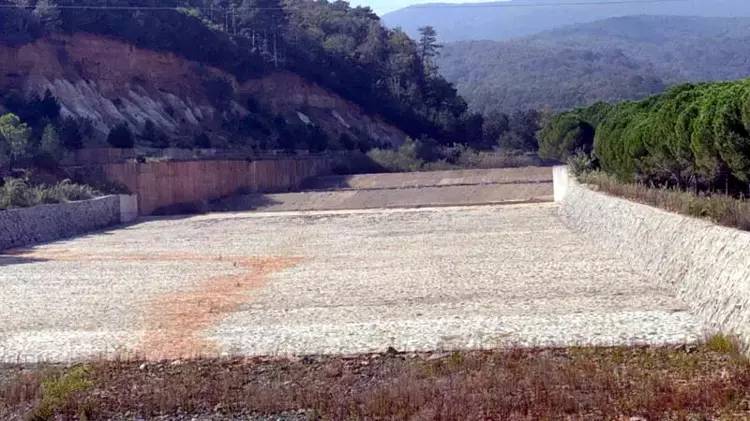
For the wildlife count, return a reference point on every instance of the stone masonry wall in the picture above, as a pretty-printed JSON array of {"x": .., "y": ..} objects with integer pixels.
[
  {"x": 708, "y": 265},
  {"x": 22, "y": 227}
]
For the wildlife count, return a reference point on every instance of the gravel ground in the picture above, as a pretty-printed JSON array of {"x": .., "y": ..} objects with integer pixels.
[{"x": 334, "y": 282}]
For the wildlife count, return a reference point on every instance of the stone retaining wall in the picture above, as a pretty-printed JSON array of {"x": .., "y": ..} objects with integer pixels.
[
  {"x": 708, "y": 265},
  {"x": 26, "y": 226}
]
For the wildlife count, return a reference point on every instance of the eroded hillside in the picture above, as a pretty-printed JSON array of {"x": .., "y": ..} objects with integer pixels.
[{"x": 109, "y": 82}]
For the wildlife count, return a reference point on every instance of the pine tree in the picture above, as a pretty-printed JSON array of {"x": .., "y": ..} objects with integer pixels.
[
  {"x": 429, "y": 49},
  {"x": 50, "y": 143}
]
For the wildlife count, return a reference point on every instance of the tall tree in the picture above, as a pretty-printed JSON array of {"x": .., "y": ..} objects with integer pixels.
[{"x": 429, "y": 49}]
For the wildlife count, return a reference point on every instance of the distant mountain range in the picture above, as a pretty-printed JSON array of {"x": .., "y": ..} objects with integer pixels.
[
  {"x": 613, "y": 59},
  {"x": 519, "y": 18}
]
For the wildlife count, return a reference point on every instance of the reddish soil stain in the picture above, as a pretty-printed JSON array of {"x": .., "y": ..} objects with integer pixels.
[{"x": 176, "y": 322}]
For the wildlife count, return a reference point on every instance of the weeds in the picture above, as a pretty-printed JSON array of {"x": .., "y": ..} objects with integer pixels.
[
  {"x": 19, "y": 193},
  {"x": 723, "y": 344},
  {"x": 57, "y": 391},
  {"x": 696, "y": 382},
  {"x": 450, "y": 159}
]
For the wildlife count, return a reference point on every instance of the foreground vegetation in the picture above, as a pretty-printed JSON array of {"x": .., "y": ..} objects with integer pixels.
[{"x": 709, "y": 381}]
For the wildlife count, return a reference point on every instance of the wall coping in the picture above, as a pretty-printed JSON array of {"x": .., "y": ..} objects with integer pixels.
[{"x": 52, "y": 205}]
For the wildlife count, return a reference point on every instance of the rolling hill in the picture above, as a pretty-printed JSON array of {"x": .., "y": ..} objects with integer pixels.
[
  {"x": 519, "y": 18},
  {"x": 609, "y": 60}
]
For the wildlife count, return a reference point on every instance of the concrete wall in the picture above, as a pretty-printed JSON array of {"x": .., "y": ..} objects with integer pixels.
[
  {"x": 560, "y": 180},
  {"x": 708, "y": 265},
  {"x": 128, "y": 208},
  {"x": 165, "y": 184},
  {"x": 22, "y": 227}
]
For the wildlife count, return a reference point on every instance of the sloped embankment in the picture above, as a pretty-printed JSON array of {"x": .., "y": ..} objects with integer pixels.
[{"x": 707, "y": 264}]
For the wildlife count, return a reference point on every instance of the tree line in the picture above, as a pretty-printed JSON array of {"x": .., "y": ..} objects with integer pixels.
[{"x": 694, "y": 136}]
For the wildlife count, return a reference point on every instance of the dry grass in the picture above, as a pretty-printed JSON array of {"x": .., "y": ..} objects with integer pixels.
[
  {"x": 470, "y": 159},
  {"x": 692, "y": 382},
  {"x": 719, "y": 208}
]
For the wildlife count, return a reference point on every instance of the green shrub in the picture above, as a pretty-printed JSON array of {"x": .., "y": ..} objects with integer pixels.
[
  {"x": 121, "y": 137},
  {"x": 568, "y": 133},
  {"x": 16, "y": 193},
  {"x": 395, "y": 161},
  {"x": 15, "y": 137},
  {"x": 581, "y": 163},
  {"x": 67, "y": 191},
  {"x": 412, "y": 155},
  {"x": 58, "y": 390},
  {"x": 19, "y": 193},
  {"x": 153, "y": 136},
  {"x": 72, "y": 132},
  {"x": 202, "y": 141},
  {"x": 723, "y": 344}
]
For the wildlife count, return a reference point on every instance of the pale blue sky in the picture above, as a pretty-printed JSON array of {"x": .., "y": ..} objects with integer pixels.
[{"x": 385, "y": 6}]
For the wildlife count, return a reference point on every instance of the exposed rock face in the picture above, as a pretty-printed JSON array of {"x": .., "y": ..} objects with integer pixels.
[
  {"x": 284, "y": 91},
  {"x": 108, "y": 82}
]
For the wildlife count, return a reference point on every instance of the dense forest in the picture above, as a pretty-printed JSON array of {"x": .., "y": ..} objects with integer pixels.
[
  {"x": 505, "y": 20},
  {"x": 509, "y": 76},
  {"x": 343, "y": 49},
  {"x": 611, "y": 60},
  {"x": 680, "y": 48},
  {"x": 694, "y": 136}
]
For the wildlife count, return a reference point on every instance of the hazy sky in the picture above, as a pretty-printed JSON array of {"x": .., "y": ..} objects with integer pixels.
[{"x": 385, "y": 6}]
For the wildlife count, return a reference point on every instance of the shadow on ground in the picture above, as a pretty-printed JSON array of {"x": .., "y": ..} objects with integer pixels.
[{"x": 10, "y": 260}]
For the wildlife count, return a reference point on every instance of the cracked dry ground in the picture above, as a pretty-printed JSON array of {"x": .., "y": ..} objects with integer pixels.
[{"x": 331, "y": 282}]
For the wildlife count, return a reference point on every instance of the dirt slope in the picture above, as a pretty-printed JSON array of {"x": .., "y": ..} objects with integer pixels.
[{"x": 108, "y": 81}]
